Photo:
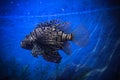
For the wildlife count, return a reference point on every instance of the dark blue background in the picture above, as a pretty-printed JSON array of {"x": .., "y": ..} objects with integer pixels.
[{"x": 99, "y": 60}]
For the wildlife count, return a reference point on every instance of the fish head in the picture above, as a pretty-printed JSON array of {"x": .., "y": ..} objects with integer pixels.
[{"x": 27, "y": 43}]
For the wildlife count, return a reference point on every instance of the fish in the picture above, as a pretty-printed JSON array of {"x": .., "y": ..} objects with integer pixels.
[{"x": 51, "y": 36}]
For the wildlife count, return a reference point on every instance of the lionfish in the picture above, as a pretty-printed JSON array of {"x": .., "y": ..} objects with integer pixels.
[{"x": 50, "y": 36}]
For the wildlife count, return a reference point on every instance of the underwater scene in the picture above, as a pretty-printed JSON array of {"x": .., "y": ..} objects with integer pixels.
[{"x": 96, "y": 57}]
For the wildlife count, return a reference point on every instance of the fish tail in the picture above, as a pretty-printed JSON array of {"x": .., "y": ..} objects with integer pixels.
[{"x": 80, "y": 36}]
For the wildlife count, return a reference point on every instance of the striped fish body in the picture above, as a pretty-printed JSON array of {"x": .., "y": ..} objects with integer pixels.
[{"x": 46, "y": 39}]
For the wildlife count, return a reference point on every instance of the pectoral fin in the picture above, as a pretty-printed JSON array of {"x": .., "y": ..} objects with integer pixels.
[
  {"x": 52, "y": 56},
  {"x": 36, "y": 51}
]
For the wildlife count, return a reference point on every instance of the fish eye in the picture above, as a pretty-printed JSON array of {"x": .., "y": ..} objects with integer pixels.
[{"x": 53, "y": 29}]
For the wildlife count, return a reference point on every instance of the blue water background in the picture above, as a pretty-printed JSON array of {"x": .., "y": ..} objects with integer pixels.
[{"x": 92, "y": 62}]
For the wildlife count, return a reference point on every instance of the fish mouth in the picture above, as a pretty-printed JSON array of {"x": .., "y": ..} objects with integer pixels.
[
  {"x": 26, "y": 45},
  {"x": 23, "y": 45}
]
